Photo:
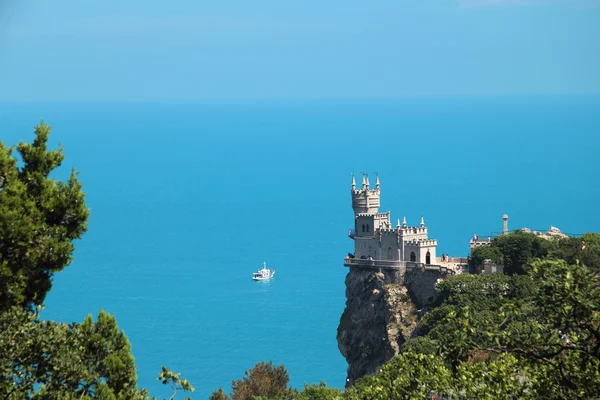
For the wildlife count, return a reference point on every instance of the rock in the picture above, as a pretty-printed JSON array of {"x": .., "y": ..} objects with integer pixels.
[
  {"x": 552, "y": 234},
  {"x": 379, "y": 317}
]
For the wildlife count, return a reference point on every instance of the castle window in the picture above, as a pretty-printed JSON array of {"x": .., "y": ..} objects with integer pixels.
[
  {"x": 363, "y": 227},
  {"x": 367, "y": 227},
  {"x": 390, "y": 253},
  {"x": 413, "y": 257},
  {"x": 428, "y": 258}
]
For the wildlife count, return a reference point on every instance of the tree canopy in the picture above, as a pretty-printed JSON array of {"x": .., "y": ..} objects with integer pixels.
[
  {"x": 40, "y": 218},
  {"x": 518, "y": 249}
]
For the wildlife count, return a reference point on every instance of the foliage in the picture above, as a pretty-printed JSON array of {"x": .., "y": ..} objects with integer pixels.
[
  {"x": 168, "y": 377},
  {"x": 40, "y": 219},
  {"x": 319, "y": 392},
  {"x": 494, "y": 336},
  {"x": 585, "y": 249},
  {"x": 482, "y": 253},
  {"x": 517, "y": 249},
  {"x": 514, "y": 250},
  {"x": 218, "y": 395},
  {"x": 47, "y": 359},
  {"x": 263, "y": 381}
]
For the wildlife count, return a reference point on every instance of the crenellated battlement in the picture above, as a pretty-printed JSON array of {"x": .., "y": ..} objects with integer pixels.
[
  {"x": 414, "y": 230},
  {"x": 405, "y": 231},
  {"x": 421, "y": 243},
  {"x": 388, "y": 231},
  {"x": 365, "y": 191},
  {"x": 376, "y": 215}
]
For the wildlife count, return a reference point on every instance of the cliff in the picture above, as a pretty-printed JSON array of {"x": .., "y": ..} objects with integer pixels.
[{"x": 379, "y": 317}]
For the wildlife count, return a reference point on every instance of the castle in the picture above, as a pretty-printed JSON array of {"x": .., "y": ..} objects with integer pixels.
[{"x": 376, "y": 239}]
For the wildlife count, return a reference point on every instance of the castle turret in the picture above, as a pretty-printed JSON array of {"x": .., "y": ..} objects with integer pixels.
[
  {"x": 365, "y": 200},
  {"x": 353, "y": 183},
  {"x": 422, "y": 221},
  {"x": 505, "y": 227}
]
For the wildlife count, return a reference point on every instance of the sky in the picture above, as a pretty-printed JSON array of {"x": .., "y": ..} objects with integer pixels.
[{"x": 272, "y": 49}]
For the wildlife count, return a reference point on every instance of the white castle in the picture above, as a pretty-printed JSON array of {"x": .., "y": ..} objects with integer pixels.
[{"x": 374, "y": 236}]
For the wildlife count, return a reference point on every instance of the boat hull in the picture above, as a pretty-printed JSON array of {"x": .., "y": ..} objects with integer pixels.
[{"x": 263, "y": 278}]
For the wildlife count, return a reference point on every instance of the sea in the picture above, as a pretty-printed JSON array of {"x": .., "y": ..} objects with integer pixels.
[{"x": 188, "y": 199}]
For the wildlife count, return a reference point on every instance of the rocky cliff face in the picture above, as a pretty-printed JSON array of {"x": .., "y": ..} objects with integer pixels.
[{"x": 379, "y": 317}]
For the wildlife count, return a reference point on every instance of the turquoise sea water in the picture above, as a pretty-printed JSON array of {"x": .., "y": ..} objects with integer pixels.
[{"x": 189, "y": 199}]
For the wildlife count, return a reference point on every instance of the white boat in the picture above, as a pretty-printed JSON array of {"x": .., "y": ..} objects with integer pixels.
[{"x": 264, "y": 274}]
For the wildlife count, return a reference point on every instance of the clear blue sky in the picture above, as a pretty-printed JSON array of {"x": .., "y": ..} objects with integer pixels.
[{"x": 261, "y": 49}]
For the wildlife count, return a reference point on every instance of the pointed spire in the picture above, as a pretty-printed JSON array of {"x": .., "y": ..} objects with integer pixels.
[
  {"x": 422, "y": 221},
  {"x": 367, "y": 180},
  {"x": 376, "y": 180},
  {"x": 398, "y": 226},
  {"x": 364, "y": 182},
  {"x": 353, "y": 182},
  {"x": 404, "y": 221}
]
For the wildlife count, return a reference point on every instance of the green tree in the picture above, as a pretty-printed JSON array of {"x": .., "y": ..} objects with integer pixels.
[
  {"x": 45, "y": 359},
  {"x": 319, "y": 392},
  {"x": 218, "y": 395},
  {"x": 263, "y": 381},
  {"x": 168, "y": 377},
  {"x": 40, "y": 219},
  {"x": 520, "y": 248},
  {"x": 590, "y": 251},
  {"x": 406, "y": 376},
  {"x": 482, "y": 253}
]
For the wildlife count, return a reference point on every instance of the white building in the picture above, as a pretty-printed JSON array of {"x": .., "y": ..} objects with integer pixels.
[{"x": 376, "y": 238}]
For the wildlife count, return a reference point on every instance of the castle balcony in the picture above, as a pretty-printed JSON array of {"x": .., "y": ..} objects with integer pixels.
[
  {"x": 351, "y": 233},
  {"x": 392, "y": 264}
]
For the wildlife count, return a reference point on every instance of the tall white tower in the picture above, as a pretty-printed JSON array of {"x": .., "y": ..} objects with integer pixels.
[{"x": 365, "y": 200}]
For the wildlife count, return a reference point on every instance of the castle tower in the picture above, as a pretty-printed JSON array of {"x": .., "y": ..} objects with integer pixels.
[
  {"x": 505, "y": 228},
  {"x": 365, "y": 200}
]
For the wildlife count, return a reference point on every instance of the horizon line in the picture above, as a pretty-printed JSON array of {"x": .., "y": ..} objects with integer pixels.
[{"x": 311, "y": 99}]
